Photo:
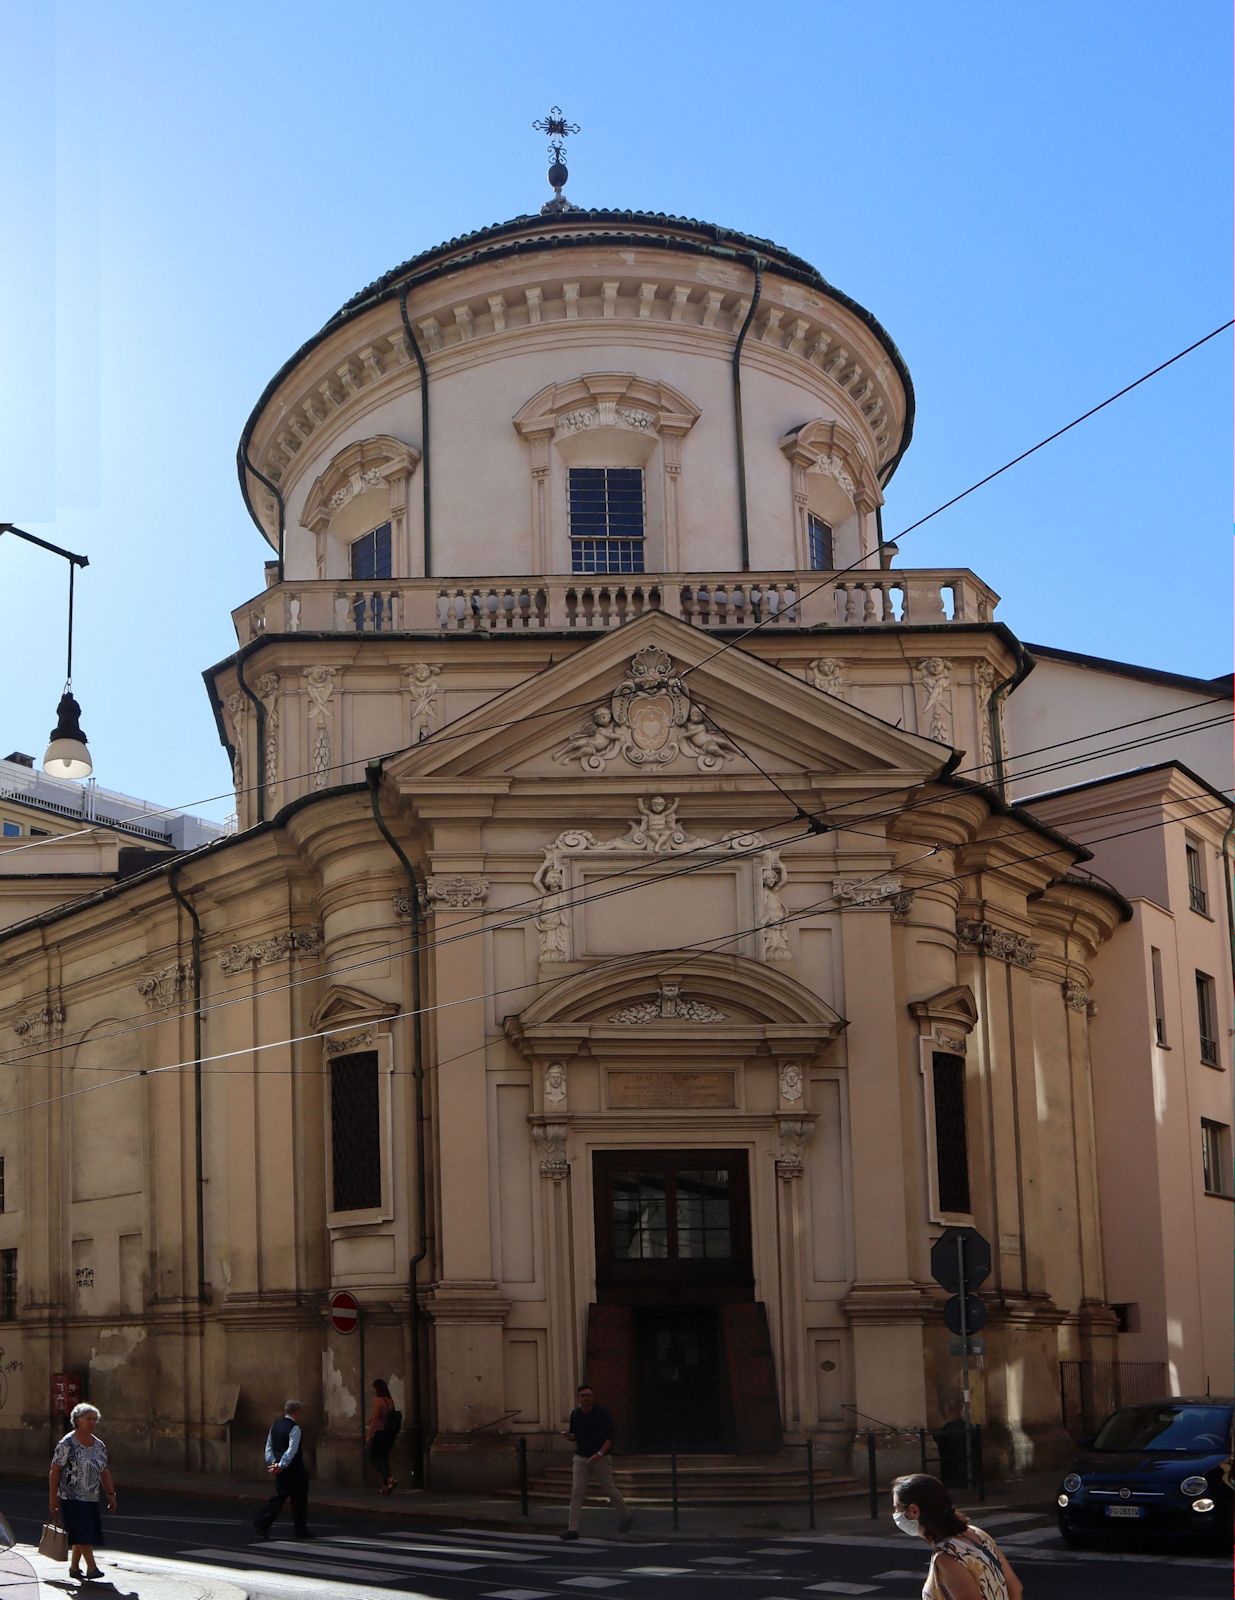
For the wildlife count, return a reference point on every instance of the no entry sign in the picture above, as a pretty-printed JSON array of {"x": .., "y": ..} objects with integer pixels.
[{"x": 344, "y": 1312}]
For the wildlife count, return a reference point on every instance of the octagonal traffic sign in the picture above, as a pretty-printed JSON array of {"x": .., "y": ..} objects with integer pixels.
[
  {"x": 957, "y": 1252},
  {"x": 975, "y": 1314},
  {"x": 344, "y": 1312}
]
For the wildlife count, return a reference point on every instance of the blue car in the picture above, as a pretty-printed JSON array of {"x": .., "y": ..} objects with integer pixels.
[{"x": 1159, "y": 1470}]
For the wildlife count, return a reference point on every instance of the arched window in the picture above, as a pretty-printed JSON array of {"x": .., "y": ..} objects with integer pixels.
[
  {"x": 357, "y": 511},
  {"x": 835, "y": 493},
  {"x": 605, "y": 458}
]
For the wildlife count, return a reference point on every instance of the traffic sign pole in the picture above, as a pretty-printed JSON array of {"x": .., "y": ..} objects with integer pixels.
[
  {"x": 363, "y": 1395},
  {"x": 965, "y": 1396}
]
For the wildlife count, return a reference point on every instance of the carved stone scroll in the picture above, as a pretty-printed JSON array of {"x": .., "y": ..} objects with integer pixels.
[
  {"x": 262, "y": 952},
  {"x": 989, "y": 940}
]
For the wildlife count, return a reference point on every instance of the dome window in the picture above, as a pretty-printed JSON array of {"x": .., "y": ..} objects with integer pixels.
[
  {"x": 606, "y": 507},
  {"x": 819, "y": 543},
  {"x": 370, "y": 554}
]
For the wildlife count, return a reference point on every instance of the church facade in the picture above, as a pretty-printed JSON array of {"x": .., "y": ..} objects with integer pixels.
[{"x": 628, "y": 962}]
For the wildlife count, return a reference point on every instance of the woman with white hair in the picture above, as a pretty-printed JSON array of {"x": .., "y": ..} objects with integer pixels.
[{"x": 78, "y": 1472}]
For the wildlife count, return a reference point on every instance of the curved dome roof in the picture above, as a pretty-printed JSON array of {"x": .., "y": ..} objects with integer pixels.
[{"x": 572, "y": 229}]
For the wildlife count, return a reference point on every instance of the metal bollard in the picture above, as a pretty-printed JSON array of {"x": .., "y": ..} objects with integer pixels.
[
  {"x": 810, "y": 1479},
  {"x": 521, "y": 1452},
  {"x": 673, "y": 1479},
  {"x": 977, "y": 1447},
  {"x": 922, "y": 1447},
  {"x": 871, "y": 1471}
]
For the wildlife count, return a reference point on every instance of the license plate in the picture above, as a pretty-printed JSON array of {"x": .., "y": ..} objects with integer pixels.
[{"x": 1124, "y": 1511}]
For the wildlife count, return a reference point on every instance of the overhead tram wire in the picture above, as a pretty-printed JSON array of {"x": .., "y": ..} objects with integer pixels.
[
  {"x": 639, "y": 955},
  {"x": 242, "y": 994},
  {"x": 674, "y": 965},
  {"x": 729, "y": 644}
]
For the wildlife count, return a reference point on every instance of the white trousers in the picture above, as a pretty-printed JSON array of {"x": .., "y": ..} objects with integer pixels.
[{"x": 580, "y": 1471}]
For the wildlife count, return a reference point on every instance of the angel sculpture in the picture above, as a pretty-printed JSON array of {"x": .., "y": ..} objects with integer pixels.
[
  {"x": 594, "y": 744},
  {"x": 708, "y": 749}
]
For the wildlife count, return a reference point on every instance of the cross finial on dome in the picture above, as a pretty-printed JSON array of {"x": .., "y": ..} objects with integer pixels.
[{"x": 558, "y": 129}]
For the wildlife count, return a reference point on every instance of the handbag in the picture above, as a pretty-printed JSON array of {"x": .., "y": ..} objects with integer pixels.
[{"x": 55, "y": 1542}]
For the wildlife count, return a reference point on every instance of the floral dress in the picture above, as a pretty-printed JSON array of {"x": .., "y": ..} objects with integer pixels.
[
  {"x": 81, "y": 1485},
  {"x": 977, "y": 1553}
]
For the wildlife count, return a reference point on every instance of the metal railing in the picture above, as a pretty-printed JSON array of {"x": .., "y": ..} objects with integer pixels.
[{"x": 1090, "y": 1390}]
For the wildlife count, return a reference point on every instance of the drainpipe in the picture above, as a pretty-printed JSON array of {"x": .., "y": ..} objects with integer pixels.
[
  {"x": 743, "y": 516},
  {"x": 424, "y": 430},
  {"x": 373, "y": 776},
  {"x": 195, "y": 974},
  {"x": 259, "y": 729},
  {"x": 1024, "y": 666},
  {"x": 243, "y": 453}
]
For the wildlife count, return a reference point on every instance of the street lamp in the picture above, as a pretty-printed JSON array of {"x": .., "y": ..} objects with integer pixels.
[{"x": 67, "y": 756}]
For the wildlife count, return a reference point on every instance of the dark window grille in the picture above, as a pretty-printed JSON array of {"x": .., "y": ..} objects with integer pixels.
[
  {"x": 1206, "y": 1016},
  {"x": 606, "y": 519},
  {"x": 951, "y": 1133},
  {"x": 1198, "y": 899},
  {"x": 370, "y": 554},
  {"x": 355, "y": 1132},
  {"x": 819, "y": 543},
  {"x": 8, "y": 1285}
]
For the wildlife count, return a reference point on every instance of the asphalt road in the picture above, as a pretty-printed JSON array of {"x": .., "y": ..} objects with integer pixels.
[{"x": 351, "y": 1558}]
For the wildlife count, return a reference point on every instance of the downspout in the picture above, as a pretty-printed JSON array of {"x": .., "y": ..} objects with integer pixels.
[
  {"x": 424, "y": 431},
  {"x": 259, "y": 731},
  {"x": 743, "y": 515},
  {"x": 195, "y": 977},
  {"x": 1024, "y": 666},
  {"x": 261, "y": 477},
  {"x": 373, "y": 776}
]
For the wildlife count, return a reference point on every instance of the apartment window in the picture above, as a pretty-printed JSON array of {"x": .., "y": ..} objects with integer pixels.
[
  {"x": 1155, "y": 967},
  {"x": 1198, "y": 898},
  {"x": 11, "y": 830},
  {"x": 355, "y": 1132},
  {"x": 606, "y": 519},
  {"x": 819, "y": 543},
  {"x": 1216, "y": 1157},
  {"x": 1127, "y": 1317},
  {"x": 951, "y": 1132},
  {"x": 1207, "y": 1019},
  {"x": 8, "y": 1285},
  {"x": 370, "y": 554}
]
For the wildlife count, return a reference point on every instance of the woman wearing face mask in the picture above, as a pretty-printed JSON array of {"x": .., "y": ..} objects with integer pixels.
[{"x": 966, "y": 1564}]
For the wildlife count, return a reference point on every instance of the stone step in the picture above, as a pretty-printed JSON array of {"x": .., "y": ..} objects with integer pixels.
[{"x": 703, "y": 1480}]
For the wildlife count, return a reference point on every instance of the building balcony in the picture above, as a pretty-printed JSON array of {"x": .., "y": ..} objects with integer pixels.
[{"x": 595, "y": 603}]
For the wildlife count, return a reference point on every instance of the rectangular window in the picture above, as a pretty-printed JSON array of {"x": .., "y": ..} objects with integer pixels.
[
  {"x": 1198, "y": 897},
  {"x": 951, "y": 1132},
  {"x": 1207, "y": 1019},
  {"x": 370, "y": 554},
  {"x": 11, "y": 830},
  {"x": 356, "y": 1132},
  {"x": 1216, "y": 1157},
  {"x": 1155, "y": 967},
  {"x": 8, "y": 1285},
  {"x": 606, "y": 519},
  {"x": 818, "y": 543}
]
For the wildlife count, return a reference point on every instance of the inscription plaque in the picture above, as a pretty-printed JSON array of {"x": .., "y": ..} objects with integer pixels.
[{"x": 664, "y": 1091}]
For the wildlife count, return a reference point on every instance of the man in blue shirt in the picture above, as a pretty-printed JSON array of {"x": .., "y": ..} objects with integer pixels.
[{"x": 285, "y": 1464}]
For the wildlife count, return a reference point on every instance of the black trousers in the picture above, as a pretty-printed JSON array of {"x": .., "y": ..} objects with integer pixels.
[
  {"x": 289, "y": 1485},
  {"x": 380, "y": 1447}
]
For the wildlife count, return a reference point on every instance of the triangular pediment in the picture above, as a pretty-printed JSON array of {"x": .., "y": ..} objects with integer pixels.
[
  {"x": 950, "y": 1008},
  {"x": 342, "y": 1005},
  {"x": 659, "y": 699}
]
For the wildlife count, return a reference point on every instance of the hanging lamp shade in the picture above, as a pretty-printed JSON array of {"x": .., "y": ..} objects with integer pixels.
[{"x": 67, "y": 756}]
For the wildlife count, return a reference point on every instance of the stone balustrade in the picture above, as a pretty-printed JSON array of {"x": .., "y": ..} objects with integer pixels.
[{"x": 915, "y": 597}]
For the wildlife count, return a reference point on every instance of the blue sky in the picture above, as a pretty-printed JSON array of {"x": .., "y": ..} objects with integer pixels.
[{"x": 1034, "y": 200}]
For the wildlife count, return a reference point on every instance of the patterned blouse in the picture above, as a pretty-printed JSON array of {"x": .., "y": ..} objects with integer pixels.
[
  {"x": 979, "y": 1556},
  {"x": 81, "y": 1467}
]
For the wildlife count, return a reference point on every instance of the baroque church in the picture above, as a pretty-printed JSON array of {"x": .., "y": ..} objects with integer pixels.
[{"x": 630, "y": 957}]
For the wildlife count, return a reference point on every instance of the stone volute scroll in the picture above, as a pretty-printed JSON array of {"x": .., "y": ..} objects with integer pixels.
[{"x": 651, "y": 718}]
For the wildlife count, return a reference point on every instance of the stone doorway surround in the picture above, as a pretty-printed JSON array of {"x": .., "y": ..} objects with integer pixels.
[{"x": 711, "y": 1054}]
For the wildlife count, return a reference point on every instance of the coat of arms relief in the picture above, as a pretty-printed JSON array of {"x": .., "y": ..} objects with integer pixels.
[{"x": 650, "y": 720}]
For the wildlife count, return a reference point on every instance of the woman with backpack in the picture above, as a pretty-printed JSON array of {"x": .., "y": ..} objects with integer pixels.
[
  {"x": 966, "y": 1563},
  {"x": 384, "y": 1424}
]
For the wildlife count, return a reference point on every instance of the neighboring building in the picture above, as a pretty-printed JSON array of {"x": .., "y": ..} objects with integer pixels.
[
  {"x": 1158, "y": 818},
  {"x": 536, "y": 1004},
  {"x": 87, "y": 838}
]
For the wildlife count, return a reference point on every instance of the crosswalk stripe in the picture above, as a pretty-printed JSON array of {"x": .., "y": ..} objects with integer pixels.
[
  {"x": 355, "y": 1544},
  {"x": 1030, "y": 1536},
  {"x": 263, "y": 1561},
  {"x": 542, "y": 1541}
]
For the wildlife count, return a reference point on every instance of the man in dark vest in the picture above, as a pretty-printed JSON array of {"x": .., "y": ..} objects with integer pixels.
[{"x": 286, "y": 1465}]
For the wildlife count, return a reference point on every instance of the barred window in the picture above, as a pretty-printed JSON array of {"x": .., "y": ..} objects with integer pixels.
[
  {"x": 606, "y": 519},
  {"x": 8, "y": 1285},
  {"x": 951, "y": 1134},
  {"x": 819, "y": 543},
  {"x": 370, "y": 554},
  {"x": 355, "y": 1132}
]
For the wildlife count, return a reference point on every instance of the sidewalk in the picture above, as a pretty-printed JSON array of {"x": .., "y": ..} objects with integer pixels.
[
  {"x": 848, "y": 1515},
  {"x": 127, "y": 1579}
]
